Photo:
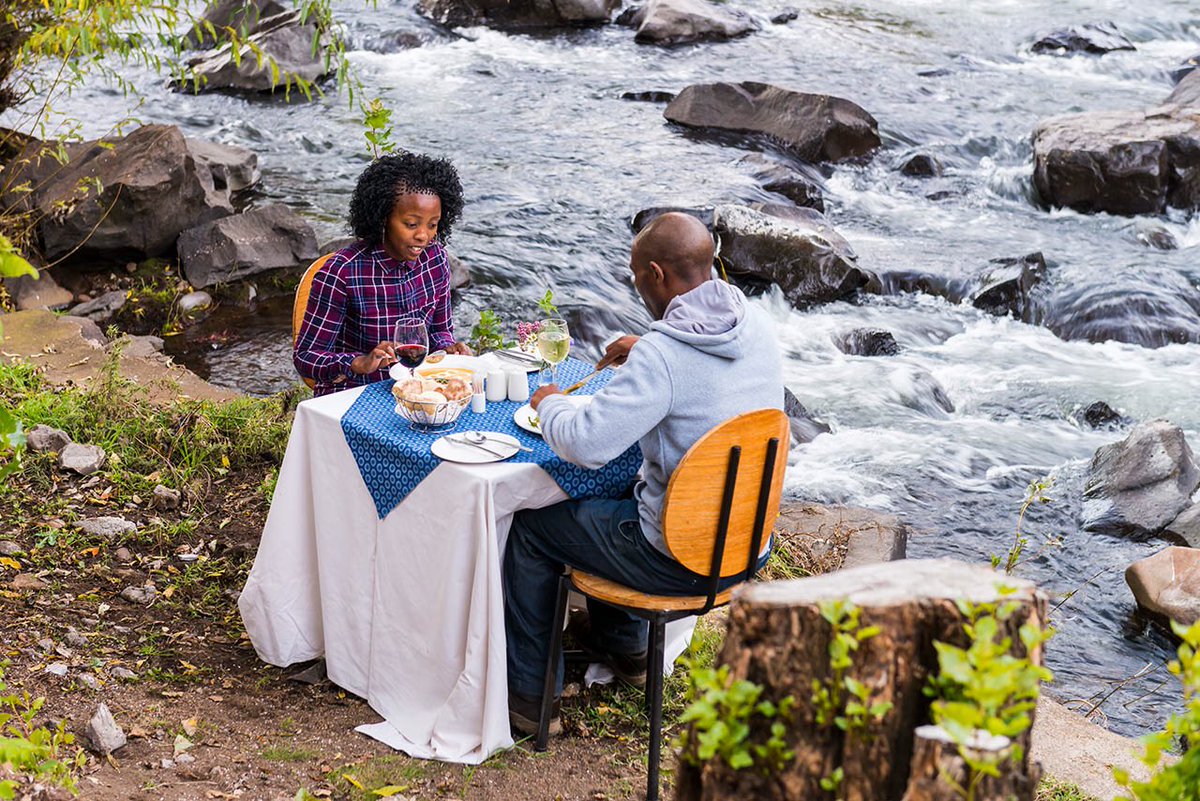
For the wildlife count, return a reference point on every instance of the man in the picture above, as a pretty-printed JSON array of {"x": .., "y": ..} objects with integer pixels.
[{"x": 708, "y": 357}]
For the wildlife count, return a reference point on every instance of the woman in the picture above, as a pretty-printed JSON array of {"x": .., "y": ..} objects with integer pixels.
[{"x": 402, "y": 211}]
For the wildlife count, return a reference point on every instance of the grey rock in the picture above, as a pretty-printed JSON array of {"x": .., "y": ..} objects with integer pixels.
[
  {"x": 75, "y": 639},
  {"x": 814, "y": 128},
  {"x": 517, "y": 14},
  {"x": 1093, "y": 38},
  {"x": 917, "y": 389},
  {"x": 167, "y": 764},
  {"x": 57, "y": 669},
  {"x": 9, "y": 548},
  {"x": 152, "y": 189},
  {"x": 803, "y": 254},
  {"x": 44, "y": 439},
  {"x": 1140, "y": 484},
  {"x": 1187, "y": 526},
  {"x": 266, "y": 238},
  {"x": 82, "y": 459},
  {"x": 243, "y": 16},
  {"x": 166, "y": 498},
  {"x": 1185, "y": 68},
  {"x": 139, "y": 595},
  {"x": 1155, "y": 236},
  {"x": 88, "y": 680},
  {"x": 313, "y": 674},
  {"x": 801, "y": 184},
  {"x": 1167, "y": 584},
  {"x": 674, "y": 22},
  {"x": 1187, "y": 93},
  {"x": 143, "y": 347},
  {"x": 110, "y": 528},
  {"x": 101, "y": 308},
  {"x": 122, "y": 673},
  {"x": 194, "y": 302},
  {"x": 649, "y": 96},
  {"x": 184, "y": 759},
  {"x": 785, "y": 16},
  {"x": 42, "y": 292},
  {"x": 460, "y": 273},
  {"x": 46, "y": 644},
  {"x": 868, "y": 342},
  {"x": 234, "y": 168},
  {"x": 87, "y": 329},
  {"x": 1101, "y": 415},
  {"x": 1138, "y": 309},
  {"x": 282, "y": 38},
  {"x": 123, "y": 554},
  {"x": 1006, "y": 288},
  {"x": 921, "y": 165},
  {"x": 804, "y": 427},
  {"x": 1121, "y": 162}
]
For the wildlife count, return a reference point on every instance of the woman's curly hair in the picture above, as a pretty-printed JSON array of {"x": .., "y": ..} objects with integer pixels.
[{"x": 396, "y": 174}]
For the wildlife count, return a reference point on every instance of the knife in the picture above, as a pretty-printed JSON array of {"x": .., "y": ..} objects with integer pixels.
[
  {"x": 519, "y": 358},
  {"x": 464, "y": 441},
  {"x": 581, "y": 382}
]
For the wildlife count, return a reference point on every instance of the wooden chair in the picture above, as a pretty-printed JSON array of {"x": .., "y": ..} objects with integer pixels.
[
  {"x": 300, "y": 304},
  {"x": 721, "y": 501}
]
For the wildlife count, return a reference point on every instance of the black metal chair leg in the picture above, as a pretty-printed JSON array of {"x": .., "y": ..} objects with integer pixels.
[
  {"x": 654, "y": 699},
  {"x": 552, "y": 659}
]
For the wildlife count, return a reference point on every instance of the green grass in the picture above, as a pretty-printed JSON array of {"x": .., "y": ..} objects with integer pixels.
[
  {"x": 278, "y": 753},
  {"x": 1054, "y": 790},
  {"x": 357, "y": 781}
]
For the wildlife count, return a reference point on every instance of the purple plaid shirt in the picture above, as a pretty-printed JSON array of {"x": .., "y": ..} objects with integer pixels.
[{"x": 355, "y": 301}]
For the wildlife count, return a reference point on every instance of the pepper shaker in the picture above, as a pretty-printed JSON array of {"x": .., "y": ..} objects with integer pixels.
[
  {"x": 497, "y": 385},
  {"x": 518, "y": 385}
]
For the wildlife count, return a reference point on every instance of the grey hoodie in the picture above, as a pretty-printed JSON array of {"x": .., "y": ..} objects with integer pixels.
[{"x": 711, "y": 357}]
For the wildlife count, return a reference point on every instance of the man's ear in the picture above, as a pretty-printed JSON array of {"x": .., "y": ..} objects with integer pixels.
[{"x": 659, "y": 275}]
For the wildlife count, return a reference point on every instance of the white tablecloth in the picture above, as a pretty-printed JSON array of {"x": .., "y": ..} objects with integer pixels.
[{"x": 408, "y": 611}]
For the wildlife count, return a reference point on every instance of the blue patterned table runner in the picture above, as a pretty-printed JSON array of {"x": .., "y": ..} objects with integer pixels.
[{"x": 393, "y": 459}]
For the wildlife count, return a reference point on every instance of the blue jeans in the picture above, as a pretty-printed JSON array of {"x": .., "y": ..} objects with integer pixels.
[{"x": 599, "y": 536}]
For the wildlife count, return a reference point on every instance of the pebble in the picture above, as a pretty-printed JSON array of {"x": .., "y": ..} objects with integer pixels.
[
  {"x": 168, "y": 764},
  {"x": 107, "y": 527},
  {"x": 139, "y": 595},
  {"x": 9, "y": 548},
  {"x": 82, "y": 459},
  {"x": 75, "y": 638},
  {"x": 89, "y": 681},
  {"x": 122, "y": 673},
  {"x": 184, "y": 759},
  {"x": 165, "y": 497},
  {"x": 27, "y": 581},
  {"x": 103, "y": 733},
  {"x": 44, "y": 439},
  {"x": 46, "y": 644},
  {"x": 123, "y": 555},
  {"x": 57, "y": 669}
]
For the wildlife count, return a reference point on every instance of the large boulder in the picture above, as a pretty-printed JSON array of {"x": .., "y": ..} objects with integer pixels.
[
  {"x": 150, "y": 188},
  {"x": 1140, "y": 484},
  {"x": 1167, "y": 584},
  {"x": 802, "y": 253},
  {"x": 674, "y": 22},
  {"x": 1187, "y": 93},
  {"x": 867, "y": 342},
  {"x": 814, "y": 128},
  {"x": 42, "y": 292},
  {"x": 800, "y": 183},
  {"x": 233, "y": 168},
  {"x": 1151, "y": 309},
  {"x": 283, "y": 39},
  {"x": 805, "y": 427},
  {"x": 1121, "y": 162},
  {"x": 1186, "y": 526},
  {"x": 266, "y": 238},
  {"x": 1093, "y": 38},
  {"x": 515, "y": 14},
  {"x": 243, "y": 16}
]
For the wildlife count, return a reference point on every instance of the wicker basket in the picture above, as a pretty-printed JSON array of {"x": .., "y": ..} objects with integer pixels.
[{"x": 426, "y": 416}]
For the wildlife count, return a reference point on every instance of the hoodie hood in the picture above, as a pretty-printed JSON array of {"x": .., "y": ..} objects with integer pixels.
[{"x": 709, "y": 318}]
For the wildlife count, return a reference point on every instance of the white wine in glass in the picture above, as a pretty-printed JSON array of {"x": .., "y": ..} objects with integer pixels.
[{"x": 554, "y": 343}]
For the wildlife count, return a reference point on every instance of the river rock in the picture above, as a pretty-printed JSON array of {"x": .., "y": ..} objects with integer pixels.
[
  {"x": 805, "y": 427},
  {"x": 1167, "y": 584},
  {"x": 867, "y": 342},
  {"x": 82, "y": 459},
  {"x": 1187, "y": 525},
  {"x": 10, "y": 548},
  {"x": 243, "y": 16},
  {"x": 1186, "y": 68},
  {"x": 1121, "y": 162},
  {"x": 460, "y": 273},
  {"x": 101, "y": 309},
  {"x": 42, "y": 292},
  {"x": 1140, "y": 484},
  {"x": 282, "y": 38},
  {"x": 649, "y": 96},
  {"x": 1155, "y": 236},
  {"x": 814, "y": 128},
  {"x": 234, "y": 168},
  {"x": 45, "y": 439},
  {"x": 152, "y": 188},
  {"x": 1094, "y": 38},
  {"x": 1100, "y": 415},
  {"x": 145, "y": 346},
  {"x": 87, "y": 329},
  {"x": 785, "y": 16},
  {"x": 1187, "y": 93},
  {"x": 799, "y": 183},
  {"x": 1006, "y": 288},
  {"x": 1151, "y": 310},
  {"x": 110, "y": 528},
  {"x": 674, "y": 22},
  {"x": 517, "y": 13},
  {"x": 917, "y": 389},
  {"x": 267, "y": 238},
  {"x": 921, "y": 165},
  {"x": 102, "y": 733},
  {"x": 804, "y": 255},
  {"x": 643, "y": 217}
]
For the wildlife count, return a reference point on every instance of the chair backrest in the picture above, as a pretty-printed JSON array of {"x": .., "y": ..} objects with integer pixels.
[
  {"x": 733, "y": 474},
  {"x": 300, "y": 304}
]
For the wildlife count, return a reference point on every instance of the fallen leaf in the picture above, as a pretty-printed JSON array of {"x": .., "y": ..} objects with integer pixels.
[
  {"x": 216, "y": 699},
  {"x": 169, "y": 591},
  {"x": 170, "y": 693},
  {"x": 181, "y": 743},
  {"x": 137, "y": 731},
  {"x": 189, "y": 727},
  {"x": 93, "y": 552},
  {"x": 390, "y": 790},
  {"x": 353, "y": 781},
  {"x": 188, "y": 666},
  {"x": 7, "y": 562}
]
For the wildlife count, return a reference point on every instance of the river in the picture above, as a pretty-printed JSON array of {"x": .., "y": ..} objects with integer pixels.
[{"x": 554, "y": 163}]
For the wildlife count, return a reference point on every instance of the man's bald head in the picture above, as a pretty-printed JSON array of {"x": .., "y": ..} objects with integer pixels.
[
  {"x": 672, "y": 255},
  {"x": 679, "y": 243}
]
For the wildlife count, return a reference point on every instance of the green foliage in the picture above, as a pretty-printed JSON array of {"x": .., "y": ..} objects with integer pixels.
[
  {"x": 34, "y": 752},
  {"x": 1038, "y": 492},
  {"x": 843, "y": 701},
  {"x": 488, "y": 333},
  {"x": 1179, "y": 780},
  {"x": 12, "y": 263},
  {"x": 546, "y": 304},
  {"x": 721, "y": 713},
  {"x": 985, "y": 687},
  {"x": 377, "y": 119}
]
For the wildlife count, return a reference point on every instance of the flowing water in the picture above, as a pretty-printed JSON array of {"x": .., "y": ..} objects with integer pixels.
[{"x": 554, "y": 164}]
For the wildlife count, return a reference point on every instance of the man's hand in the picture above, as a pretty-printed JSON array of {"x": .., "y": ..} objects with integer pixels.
[
  {"x": 382, "y": 355},
  {"x": 617, "y": 352},
  {"x": 542, "y": 393},
  {"x": 460, "y": 348}
]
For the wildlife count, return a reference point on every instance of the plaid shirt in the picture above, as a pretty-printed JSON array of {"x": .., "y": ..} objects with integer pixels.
[{"x": 354, "y": 304}]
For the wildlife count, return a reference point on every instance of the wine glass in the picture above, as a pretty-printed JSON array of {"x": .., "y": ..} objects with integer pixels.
[
  {"x": 554, "y": 343},
  {"x": 411, "y": 340}
]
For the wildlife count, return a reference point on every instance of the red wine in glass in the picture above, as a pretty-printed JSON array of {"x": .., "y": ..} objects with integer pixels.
[
  {"x": 411, "y": 356},
  {"x": 411, "y": 341}
]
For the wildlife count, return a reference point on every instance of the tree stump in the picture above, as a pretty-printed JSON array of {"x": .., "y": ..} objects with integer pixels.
[
  {"x": 937, "y": 768},
  {"x": 779, "y": 639}
]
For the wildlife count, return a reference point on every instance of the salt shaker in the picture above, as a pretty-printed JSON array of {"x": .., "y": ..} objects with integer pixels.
[
  {"x": 518, "y": 385},
  {"x": 497, "y": 386},
  {"x": 478, "y": 400}
]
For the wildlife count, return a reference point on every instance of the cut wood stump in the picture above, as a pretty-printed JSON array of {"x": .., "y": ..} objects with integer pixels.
[
  {"x": 938, "y": 770},
  {"x": 779, "y": 639}
]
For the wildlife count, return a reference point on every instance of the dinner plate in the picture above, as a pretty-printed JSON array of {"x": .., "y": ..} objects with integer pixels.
[
  {"x": 506, "y": 363},
  {"x": 525, "y": 415},
  {"x": 399, "y": 372},
  {"x": 451, "y": 448}
]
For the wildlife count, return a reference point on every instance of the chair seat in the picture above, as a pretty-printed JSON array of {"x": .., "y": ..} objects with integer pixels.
[{"x": 611, "y": 592}]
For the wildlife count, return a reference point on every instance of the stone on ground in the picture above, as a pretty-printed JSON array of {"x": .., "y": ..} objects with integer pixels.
[
  {"x": 103, "y": 734},
  {"x": 1073, "y": 749},
  {"x": 268, "y": 238},
  {"x": 1187, "y": 93},
  {"x": 100, "y": 309},
  {"x": 675, "y": 22},
  {"x": 1140, "y": 484},
  {"x": 1007, "y": 287},
  {"x": 42, "y": 292},
  {"x": 244, "y": 16},
  {"x": 1167, "y": 584},
  {"x": 165, "y": 497},
  {"x": 9, "y": 548},
  {"x": 814, "y": 128},
  {"x": 82, "y": 459},
  {"x": 283, "y": 38},
  {"x": 110, "y": 528},
  {"x": 234, "y": 168},
  {"x": 45, "y": 439}
]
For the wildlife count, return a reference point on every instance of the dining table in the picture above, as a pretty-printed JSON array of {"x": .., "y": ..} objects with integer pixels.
[{"x": 385, "y": 560}]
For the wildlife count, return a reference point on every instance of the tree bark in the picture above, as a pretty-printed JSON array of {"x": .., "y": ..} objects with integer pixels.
[
  {"x": 939, "y": 773},
  {"x": 778, "y": 638}
]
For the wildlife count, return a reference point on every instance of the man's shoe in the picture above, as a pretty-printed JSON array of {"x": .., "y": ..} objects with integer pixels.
[
  {"x": 629, "y": 668},
  {"x": 523, "y": 713}
]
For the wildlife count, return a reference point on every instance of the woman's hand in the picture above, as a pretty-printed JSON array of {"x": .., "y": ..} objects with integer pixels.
[
  {"x": 382, "y": 355},
  {"x": 460, "y": 348},
  {"x": 617, "y": 352}
]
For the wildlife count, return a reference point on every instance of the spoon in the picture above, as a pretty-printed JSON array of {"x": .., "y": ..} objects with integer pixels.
[{"x": 478, "y": 438}]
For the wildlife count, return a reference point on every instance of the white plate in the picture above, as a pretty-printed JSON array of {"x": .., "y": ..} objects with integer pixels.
[
  {"x": 452, "y": 450},
  {"x": 506, "y": 363},
  {"x": 399, "y": 372},
  {"x": 523, "y": 417}
]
